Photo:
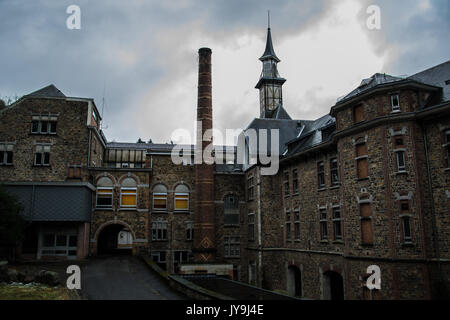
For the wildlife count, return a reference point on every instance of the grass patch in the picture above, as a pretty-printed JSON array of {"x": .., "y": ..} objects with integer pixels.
[{"x": 33, "y": 292}]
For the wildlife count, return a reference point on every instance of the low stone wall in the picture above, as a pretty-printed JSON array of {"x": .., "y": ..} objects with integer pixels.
[{"x": 184, "y": 286}]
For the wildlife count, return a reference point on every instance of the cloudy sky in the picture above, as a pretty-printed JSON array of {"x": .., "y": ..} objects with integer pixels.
[{"x": 141, "y": 56}]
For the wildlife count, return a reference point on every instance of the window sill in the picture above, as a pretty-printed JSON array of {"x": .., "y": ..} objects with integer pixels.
[
  {"x": 334, "y": 187},
  {"x": 160, "y": 240},
  {"x": 408, "y": 244},
  {"x": 447, "y": 169},
  {"x": 41, "y": 166},
  {"x": 296, "y": 194},
  {"x": 396, "y": 111},
  {"x": 159, "y": 211},
  {"x": 103, "y": 209},
  {"x": 42, "y": 134},
  {"x": 127, "y": 209},
  {"x": 181, "y": 211}
]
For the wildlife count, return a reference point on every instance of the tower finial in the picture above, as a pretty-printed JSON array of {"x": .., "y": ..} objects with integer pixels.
[{"x": 268, "y": 19}]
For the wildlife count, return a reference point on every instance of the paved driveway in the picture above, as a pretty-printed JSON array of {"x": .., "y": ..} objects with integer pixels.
[{"x": 123, "y": 278}]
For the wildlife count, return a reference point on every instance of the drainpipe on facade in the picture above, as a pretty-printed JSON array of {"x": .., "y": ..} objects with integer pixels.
[
  {"x": 433, "y": 214},
  {"x": 258, "y": 183}
]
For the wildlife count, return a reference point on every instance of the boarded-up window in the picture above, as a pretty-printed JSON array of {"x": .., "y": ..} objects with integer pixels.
[
  {"x": 362, "y": 169},
  {"x": 358, "y": 113},
  {"x": 366, "y": 224}
]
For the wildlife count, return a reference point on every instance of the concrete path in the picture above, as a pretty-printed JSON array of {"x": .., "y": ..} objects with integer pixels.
[{"x": 123, "y": 278}]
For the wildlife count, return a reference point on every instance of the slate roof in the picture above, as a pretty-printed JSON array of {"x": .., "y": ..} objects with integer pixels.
[
  {"x": 48, "y": 91},
  {"x": 436, "y": 76},
  {"x": 369, "y": 83},
  {"x": 311, "y": 134},
  {"x": 288, "y": 130}
]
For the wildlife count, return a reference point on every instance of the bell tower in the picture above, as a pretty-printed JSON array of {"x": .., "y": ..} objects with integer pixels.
[{"x": 270, "y": 83}]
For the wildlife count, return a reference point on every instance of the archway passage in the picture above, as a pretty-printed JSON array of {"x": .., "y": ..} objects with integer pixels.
[
  {"x": 333, "y": 286},
  {"x": 294, "y": 281},
  {"x": 115, "y": 239}
]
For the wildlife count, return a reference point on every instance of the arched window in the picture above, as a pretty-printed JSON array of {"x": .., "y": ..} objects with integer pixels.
[
  {"x": 104, "y": 193},
  {"x": 181, "y": 198},
  {"x": 128, "y": 193},
  {"x": 160, "y": 197},
  {"x": 231, "y": 210}
]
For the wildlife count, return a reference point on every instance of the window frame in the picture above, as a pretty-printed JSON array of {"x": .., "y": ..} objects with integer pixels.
[
  {"x": 297, "y": 232},
  {"x": 42, "y": 155},
  {"x": 337, "y": 223},
  {"x": 135, "y": 197},
  {"x": 366, "y": 219},
  {"x": 179, "y": 196},
  {"x": 6, "y": 152},
  {"x": 250, "y": 188},
  {"x": 251, "y": 226},
  {"x": 286, "y": 185},
  {"x": 231, "y": 212},
  {"x": 321, "y": 175},
  {"x": 323, "y": 223},
  {"x": 288, "y": 231},
  {"x": 334, "y": 169},
  {"x": 397, "y": 157},
  {"x": 295, "y": 189},
  {"x": 229, "y": 243},
  {"x": 395, "y": 108},
  {"x": 97, "y": 206},
  {"x": 157, "y": 235}
]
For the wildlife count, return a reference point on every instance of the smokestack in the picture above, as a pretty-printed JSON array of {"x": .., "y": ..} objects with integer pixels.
[{"x": 204, "y": 236}]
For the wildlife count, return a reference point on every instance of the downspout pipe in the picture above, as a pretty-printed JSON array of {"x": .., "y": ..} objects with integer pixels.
[{"x": 433, "y": 210}]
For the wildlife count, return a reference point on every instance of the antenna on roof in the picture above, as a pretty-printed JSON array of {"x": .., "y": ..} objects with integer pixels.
[{"x": 103, "y": 105}]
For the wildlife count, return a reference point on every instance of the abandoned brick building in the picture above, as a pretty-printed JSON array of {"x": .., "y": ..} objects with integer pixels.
[{"x": 367, "y": 184}]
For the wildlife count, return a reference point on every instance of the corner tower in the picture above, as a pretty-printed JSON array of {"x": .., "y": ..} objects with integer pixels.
[{"x": 270, "y": 83}]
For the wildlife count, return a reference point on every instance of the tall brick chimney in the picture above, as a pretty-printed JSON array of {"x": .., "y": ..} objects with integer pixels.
[{"x": 204, "y": 236}]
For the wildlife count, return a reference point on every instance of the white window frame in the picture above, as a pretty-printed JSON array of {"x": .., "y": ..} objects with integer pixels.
[
  {"x": 395, "y": 108},
  {"x": 175, "y": 201},
  {"x": 397, "y": 154},
  {"x": 42, "y": 150},
  {"x": 155, "y": 195},
  {"x": 112, "y": 198},
  {"x": 121, "y": 194},
  {"x": 6, "y": 148}
]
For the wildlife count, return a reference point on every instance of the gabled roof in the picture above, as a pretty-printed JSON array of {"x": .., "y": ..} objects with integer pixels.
[
  {"x": 269, "y": 52},
  {"x": 49, "y": 91},
  {"x": 436, "y": 76}
]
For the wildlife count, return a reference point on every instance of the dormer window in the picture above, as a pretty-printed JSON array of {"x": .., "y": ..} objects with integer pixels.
[{"x": 395, "y": 102}]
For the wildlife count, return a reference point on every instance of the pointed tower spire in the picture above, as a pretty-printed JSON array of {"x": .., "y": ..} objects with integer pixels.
[
  {"x": 270, "y": 83},
  {"x": 269, "y": 52}
]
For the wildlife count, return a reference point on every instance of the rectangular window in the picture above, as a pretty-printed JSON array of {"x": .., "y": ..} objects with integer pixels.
[
  {"x": 358, "y": 113},
  {"x": 160, "y": 258},
  {"x": 128, "y": 197},
  {"x": 189, "y": 231},
  {"x": 104, "y": 197},
  {"x": 43, "y": 125},
  {"x": 250, "y": 188},
  {"x": 6, "y": 154},
  {"x": 288, "y": 225},
  {"x": 406, "y": 224},
  {"x": 366, "y": 224},
  {"x": 159, "y": 231},
  {"x": 323, "y": 224},
  {"x": 74, "y": 172},
  {"x": 180, "y": 257},
  {"x": 232, "y": 247},
  {"x": 395, "y": 102},
  {"x": 334, "y": 172},
  {"x": 401, "y": 166},
  {"x": 231, "y": 210},
  {"x": 286, "y": 183},
  {"x": 251, "y": 227},
  {"x": 321, "y": 174},
  {"x": 447, "y": 147},
  {"x": 337, "y": 227},
  {"x": 42, "y": 155},
  {"x": 160, "y": 201},
  {"x": 181, "y": 201},
  {"x": 362, "y": 169},
  {"x": 297, "y": 225},
  {"x": 295, "y": 181}
]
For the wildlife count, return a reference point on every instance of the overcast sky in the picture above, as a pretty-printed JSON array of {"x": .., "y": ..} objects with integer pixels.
[{"x": 141, "y": 56}]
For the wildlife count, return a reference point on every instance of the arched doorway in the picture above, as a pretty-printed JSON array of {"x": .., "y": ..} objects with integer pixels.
[
  {"x": 115, "y": 239},
  {"x": 294, "y": 281},
  {"x": 333, "y": 286}
]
